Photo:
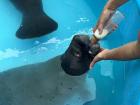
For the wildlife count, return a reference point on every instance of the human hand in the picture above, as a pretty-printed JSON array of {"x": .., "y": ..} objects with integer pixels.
[
  {"x": 100, "y": 56},
  {"x": 103, "y": 20}
]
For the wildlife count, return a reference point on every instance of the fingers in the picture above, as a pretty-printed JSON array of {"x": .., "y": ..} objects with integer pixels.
[
  {"x": 100, "y": 28},
  {"x": 96, "y": 59},
  {"x": 103, "y": 20},
  {"x": 101, "y": 49},
  {"x": 114, "y": 27},
  {"x": 92, "y": 63},
  {"x": 95, "y": 29}
]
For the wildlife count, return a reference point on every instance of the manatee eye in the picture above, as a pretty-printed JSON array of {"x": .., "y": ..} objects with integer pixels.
[
  {"x": 77, "y": 54},
  {"x": 75, "y": 51}
]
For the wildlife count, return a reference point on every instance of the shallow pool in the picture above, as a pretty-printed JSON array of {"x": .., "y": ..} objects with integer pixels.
[{"x": 115, "y": 82}]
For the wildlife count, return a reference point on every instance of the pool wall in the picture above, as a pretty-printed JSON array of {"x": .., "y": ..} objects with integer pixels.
[{"x": 117, "y": 82}]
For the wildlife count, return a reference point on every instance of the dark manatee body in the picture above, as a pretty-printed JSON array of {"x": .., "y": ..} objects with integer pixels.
[
  {"x": 35, "y": 22},
  {"x": 44, "y": 83},
  {"x": 77, "y": 58}
]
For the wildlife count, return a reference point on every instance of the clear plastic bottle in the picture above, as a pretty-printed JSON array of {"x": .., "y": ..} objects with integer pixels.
[{"x": 116, "y": 18}]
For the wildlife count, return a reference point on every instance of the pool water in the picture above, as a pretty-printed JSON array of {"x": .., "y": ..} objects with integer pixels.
[
  {"x": 138, "y": 2},
  {"x": 117, "y": 82}
]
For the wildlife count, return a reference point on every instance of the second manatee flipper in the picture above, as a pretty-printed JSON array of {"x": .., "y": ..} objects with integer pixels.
[{"x": 35, "y": 22}]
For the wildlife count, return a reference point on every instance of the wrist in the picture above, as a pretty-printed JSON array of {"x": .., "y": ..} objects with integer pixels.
[
  {"x": 114, "y": 4},
  {"x": 111, "y": 8},
  {"x": 111, "y": 5},
  {"x": 111, "y": 11}
]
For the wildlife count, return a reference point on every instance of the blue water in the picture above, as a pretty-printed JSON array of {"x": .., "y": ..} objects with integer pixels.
[
  {"x": 138, "y": 2},
  {"x": 117, "y": 82}
]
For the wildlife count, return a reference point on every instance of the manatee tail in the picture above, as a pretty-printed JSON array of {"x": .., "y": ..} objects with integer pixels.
[{"x": 35, "y": 22}]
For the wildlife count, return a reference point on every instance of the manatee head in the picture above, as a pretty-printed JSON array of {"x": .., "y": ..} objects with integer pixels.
[{"x": 77, "y": 58}]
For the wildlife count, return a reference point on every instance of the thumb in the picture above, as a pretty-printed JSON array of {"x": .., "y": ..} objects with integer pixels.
[
  {"x": 100, "y": 28},
  {"x": 95, "y": 29}
]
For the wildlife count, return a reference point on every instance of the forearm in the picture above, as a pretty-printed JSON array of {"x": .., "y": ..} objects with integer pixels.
[
  {"x": 108, "y": 10},
  {"x": 127, "y": 52},
  {"x": 114, "y": 4}
]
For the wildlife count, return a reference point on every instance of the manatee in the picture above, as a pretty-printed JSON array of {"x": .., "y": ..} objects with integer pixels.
[
  {"x": 45, "y": 83},
  {"x": 35, "y": 22},
  {"x": 50, "y": 82}
]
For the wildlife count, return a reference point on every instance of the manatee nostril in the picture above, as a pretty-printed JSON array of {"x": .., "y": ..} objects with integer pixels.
[{"x": 94, "y": 49}]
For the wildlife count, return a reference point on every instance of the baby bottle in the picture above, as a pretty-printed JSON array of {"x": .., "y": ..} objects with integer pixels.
[{"x": 116, "y": 18}]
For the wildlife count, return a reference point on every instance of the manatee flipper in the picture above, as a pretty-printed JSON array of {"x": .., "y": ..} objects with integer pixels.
[{"x": 35, "y": 22}]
